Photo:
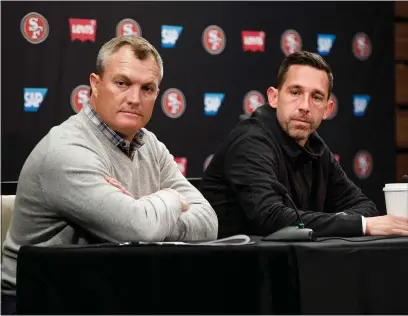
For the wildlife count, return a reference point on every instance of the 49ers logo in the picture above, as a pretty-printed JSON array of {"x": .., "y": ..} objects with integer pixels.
[
  {"x": 335, "y": 107},
  {"x": 291, "y": 42},
  {"x": 79, "y": 97},
  {"x": 363, "y": 164},
  {"x": 361, "y": 46},
  {"x": 214, "y": 39},
  {"x": 252, "y": 100},
  {"x": 173, "y": 103},
  {"x": 128, "y": 27},
  {"x": 34, "y": 28}
]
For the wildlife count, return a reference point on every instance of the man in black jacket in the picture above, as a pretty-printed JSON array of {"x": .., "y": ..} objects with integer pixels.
[{"x": 279, "y": 144}]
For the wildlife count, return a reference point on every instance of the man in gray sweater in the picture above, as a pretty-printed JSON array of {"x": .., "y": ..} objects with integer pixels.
[{"x": 100, "y": 176}]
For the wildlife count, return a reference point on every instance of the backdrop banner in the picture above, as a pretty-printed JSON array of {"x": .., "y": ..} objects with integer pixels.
[{"x": 219, "y": 60}]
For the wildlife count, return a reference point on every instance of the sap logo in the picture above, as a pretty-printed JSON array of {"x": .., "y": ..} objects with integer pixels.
[
  {"x": 360, "y": 103},
  {"x": 33, "y": 98},
  {"x": 170, "y": 35},
  {"x": 325, "y": 43},
  {"x": 212, "y": 102}
]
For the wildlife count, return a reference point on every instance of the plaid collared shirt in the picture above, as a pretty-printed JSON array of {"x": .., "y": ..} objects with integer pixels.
[{"x": 128, "y": 148}]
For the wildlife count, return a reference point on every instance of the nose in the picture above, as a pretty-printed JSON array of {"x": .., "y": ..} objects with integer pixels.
[
  {"x": 304, "y": 103},
  {"x": 133, "y": 97}
]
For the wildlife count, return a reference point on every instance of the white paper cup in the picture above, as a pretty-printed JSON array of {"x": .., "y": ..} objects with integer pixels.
[{"x": 396, "y": 199}]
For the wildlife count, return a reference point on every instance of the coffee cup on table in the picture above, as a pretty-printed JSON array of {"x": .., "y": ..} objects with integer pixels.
[{"x": 396, "y": 199}]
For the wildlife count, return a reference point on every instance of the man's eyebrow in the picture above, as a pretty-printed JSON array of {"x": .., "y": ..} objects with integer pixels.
[
  {"x": 319, "y": 92},
  {"x": 150, "y": 83},
  {"x": 121, "y": 76},
  {"x": 295, "y": 86}
]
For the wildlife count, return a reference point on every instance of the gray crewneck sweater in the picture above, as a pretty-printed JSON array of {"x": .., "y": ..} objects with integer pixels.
[{"x": 63, "y": 198}]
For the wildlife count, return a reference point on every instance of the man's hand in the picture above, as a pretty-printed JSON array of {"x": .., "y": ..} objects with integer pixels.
[
  {"x": 183, "y": 201},
  {"x": 118, "y": 185},
  {"x": 386, "y": 225}
]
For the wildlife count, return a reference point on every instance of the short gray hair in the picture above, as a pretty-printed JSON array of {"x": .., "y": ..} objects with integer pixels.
[{"x": 140, "y": 46}]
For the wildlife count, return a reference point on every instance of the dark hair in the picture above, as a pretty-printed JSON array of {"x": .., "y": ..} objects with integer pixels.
[{"x": 307, "y": 59}]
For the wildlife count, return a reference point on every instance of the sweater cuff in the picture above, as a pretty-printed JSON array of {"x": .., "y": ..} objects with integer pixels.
[
  {"x": 364, "y": 222},
  {"x": 178, "y": 231},
  {"x": 341, "y": 225},
  {"x": 350, "y": 225},
  {"x": 171, "y": 200}
]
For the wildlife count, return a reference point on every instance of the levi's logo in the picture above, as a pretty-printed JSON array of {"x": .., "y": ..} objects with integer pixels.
[
  {"x": 181, "y": 164},
  {"x": 253, "y": 41},
  {"x": 82, "y": 29}
]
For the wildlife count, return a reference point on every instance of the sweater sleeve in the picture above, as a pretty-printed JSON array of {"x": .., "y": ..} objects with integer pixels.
[
  {"x": 72, "y": 179},
  {"x": 251, "y": 169},
  {"x": 199, "y": 222}
]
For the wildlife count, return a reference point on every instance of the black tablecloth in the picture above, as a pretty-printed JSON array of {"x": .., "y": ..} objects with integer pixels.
[
  {"x": 360, "y": 277},
  {"x": 334, "y": 276}
]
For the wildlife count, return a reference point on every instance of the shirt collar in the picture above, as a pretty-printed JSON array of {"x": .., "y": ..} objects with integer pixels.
[
  {"x": 314, "y": 147},
  {"x": 129, "y": 148}
]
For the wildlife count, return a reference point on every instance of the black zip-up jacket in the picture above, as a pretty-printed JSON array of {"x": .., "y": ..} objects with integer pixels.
[{"x": 239, "y": 183}]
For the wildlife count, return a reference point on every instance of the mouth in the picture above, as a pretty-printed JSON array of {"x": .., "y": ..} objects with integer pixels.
[
  {"x": 301, "y": 121},
  {"x": 131, "y": 113}
]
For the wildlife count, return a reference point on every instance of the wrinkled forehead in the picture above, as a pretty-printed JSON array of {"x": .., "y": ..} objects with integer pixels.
[
  {"x": 308, "y": 78},
  {"x": 126, "y": 64}
]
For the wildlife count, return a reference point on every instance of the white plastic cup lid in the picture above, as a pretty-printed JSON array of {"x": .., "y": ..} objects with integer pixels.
[{"x": 396, "y": 187}]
